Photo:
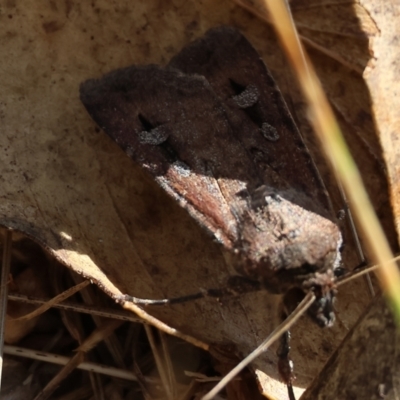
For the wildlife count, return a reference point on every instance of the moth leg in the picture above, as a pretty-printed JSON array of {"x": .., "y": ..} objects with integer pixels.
[
  {"x": 285, "y": 364},
  {"x": 353, "y": 230}
]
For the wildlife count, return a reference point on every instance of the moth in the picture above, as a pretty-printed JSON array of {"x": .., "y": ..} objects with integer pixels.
[{"x": 213, "y": 130}]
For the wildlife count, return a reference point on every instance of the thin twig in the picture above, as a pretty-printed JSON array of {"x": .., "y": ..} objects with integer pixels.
[
  {"x": 162, "y": 326},
  {"x": 356, "y": 274},
  {"x": 62, "y": 360},
  {"x": 159, "y": 362},
  {"x": 82, "y": 308},
  {"x": 282, "y": 328},
  {"x": 306, "y": 40},
  {"x": 57, "y": 299},
  {"x": 5, "y": 270},
  {"x": 97, "y": 336},
  {"x": 353, "y": 229},
  {"x": 169, "y": 369}
]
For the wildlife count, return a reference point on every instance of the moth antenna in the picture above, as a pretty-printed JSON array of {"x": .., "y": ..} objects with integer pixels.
[
  {"x": 273, "y": 337},
  {"x": 162, "y": 302},
  {"x": 216, "y": 293},
  {"x": 235, "y": 286},
  {"x": 4, "y": 278},
  {"x": 362, "y": 271},
  {"x": 285, "y": 364},
  {"x": 357, "y": 242}
]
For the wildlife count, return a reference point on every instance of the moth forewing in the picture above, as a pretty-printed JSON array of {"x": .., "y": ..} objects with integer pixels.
[
  {"x": 286, "y": 233},
  {"x": 263, "y": 126}
]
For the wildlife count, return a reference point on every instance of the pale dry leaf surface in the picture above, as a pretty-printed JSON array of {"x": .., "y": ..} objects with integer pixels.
[
  {"x": 342, "y": 30},
  {"x": 383, "y": 82}
]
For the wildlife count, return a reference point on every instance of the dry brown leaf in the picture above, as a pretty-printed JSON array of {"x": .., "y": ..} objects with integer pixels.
[
  {"x": 67, "y": 186},
  {"x": 383, "y": 82},
  {"x": 366, "y": 365},
  {"x": 342, "y": 29}
]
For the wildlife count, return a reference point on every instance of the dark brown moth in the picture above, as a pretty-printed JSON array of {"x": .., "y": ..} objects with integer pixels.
[{"x": 214, "y": 131}]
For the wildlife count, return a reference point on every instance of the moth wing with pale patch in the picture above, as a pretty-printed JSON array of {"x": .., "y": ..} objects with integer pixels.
[
  {"x": 175, "y": 127},
  {"x": 262, "y": 121},
  {"x": 294, "y": 243},
  {"x": 213, "y": 146}
]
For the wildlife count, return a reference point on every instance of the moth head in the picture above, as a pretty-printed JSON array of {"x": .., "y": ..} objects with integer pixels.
[
  {"x": 286, "y": 245},
  {"x": 322, "y": 310}
]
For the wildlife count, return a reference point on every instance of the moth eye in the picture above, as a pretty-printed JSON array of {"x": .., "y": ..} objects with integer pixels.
[
  {"x": 247, "y": 98},
  {"x": 269, "y": 132},
  {"x": 339, "y": 271},
  {"x": 152, "y": 135}
]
